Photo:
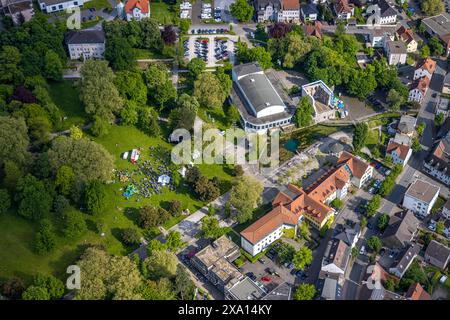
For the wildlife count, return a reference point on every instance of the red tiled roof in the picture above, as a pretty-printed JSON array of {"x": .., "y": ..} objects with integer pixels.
[
  {"x": 357, "y": 166},
  {"x": 269, "y": 222},
  {"x": 314, "y": 30},
  {"x": 329, "y": 183},
  {"x": 343, "y": 7},
  {"x": 428, "y": 64},
  {"x": 286, "y": 211},
  {"x": 143, "y": 5},
  {"x": 405, "y": 34},
  {"x": 416, "y": 292},
  {"x": 401, "y": 149},
  {"x": 290, "y": 4},
  {"x": 421, "y": 84}
]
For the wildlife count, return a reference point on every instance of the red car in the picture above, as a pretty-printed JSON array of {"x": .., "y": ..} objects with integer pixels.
[{"x": 266, "y": 279}]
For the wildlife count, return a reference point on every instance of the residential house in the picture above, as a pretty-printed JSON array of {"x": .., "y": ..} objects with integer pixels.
[
  {"x": 343, "y": 10},
  {"x": 438, "y": 162},
  {"x": 86, "y": 44},
  {"x": 362, "y": 59},
  {"x": 419, "y": 89},
  {"x": 439, "y": 26},
  {"x": 407, "y": 37},
  {"x": 309, "y": 12},
  {"x": 395, "y": 52},
  {"x": 50, "y": 6},
  {"x": 420, "y": 197},
  {"x": 281, "y": 292},
  {"x": 425, "y": 69},
  {"x": 400, "y": 153},
  {"x": 332, "y": 289},
  {"x": 401, "y": 230},
  {"x": 137, "y": 9},
  {"x": 443, "y": 106},
  {"x": 446, "y": 209},
  {"x": 290, "y": 11},
  {"x": 416, "y": 292},
  {"x": 372, "y": 287},
  {"x": 215, "y": 263},
  {"x": 446, "y": 84},
  {"x": 437, "y": 254},
  {"x": 379, "y": 37},
  {"x": 336, "y": 257},
  {"x": 313, "y": 30},
  {"x": 18, "y": 10},
  {"x": 388, "y": 15},
  {"x": 349, "y": 236},
  {"x": 361, "y": 171},
  {"x": 277, "y": 10},
  {"x": 407, "y": 126},
  {"x": 399, "y": 267},
  {"x": 267, "y": 10},
  {"x": 320, "y": 97}
]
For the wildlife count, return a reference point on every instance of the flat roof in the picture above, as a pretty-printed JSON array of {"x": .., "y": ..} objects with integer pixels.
[
  {"x": 422, "y": 190},
  {"x": 246, "y": 289}
]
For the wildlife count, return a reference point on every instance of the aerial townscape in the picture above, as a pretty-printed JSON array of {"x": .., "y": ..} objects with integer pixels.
[{"x": 352, "y": 98}]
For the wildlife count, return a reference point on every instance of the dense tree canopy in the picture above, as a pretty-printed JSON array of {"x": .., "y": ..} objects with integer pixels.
[
  {"x": 14, "y": 140},
  {"x": 208, "y": 91},
  {"x": 304, "y": 113},
  {"x": 88, "y": 159},
  {"x": 108, "y": 277},
  {"x": 241, "y": 10},
  {"x": 246, "y": 194},
  {"x": 131, "y": 86},
  {"x": 98, "y": 92},
  {"x": 33, "y": 197}
]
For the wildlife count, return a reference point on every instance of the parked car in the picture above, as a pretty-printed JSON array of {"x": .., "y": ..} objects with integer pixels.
[
  {"x": 262, "y": 260},
  {"x": 362, "y": 250},
  {"x": 251, "y": 275}
]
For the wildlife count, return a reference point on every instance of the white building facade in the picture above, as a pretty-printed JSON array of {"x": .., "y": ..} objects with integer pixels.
[
  {"x": 50, "y": 6},
  {"x": 420, "y": 197}
]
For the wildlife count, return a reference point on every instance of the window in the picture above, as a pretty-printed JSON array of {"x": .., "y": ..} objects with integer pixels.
[
  {"x": 75, "y": 3},
  {"x": 60, "y": 6},
  {"x": 53, "y": 8}
]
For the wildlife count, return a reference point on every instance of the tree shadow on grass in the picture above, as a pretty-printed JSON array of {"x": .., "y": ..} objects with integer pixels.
[{"x": 132, "y": 214}]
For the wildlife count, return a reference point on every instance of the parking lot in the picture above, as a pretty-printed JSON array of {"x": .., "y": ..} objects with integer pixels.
[
  {"x": 269, "y": 273},
  {"x": 212, "y": 49}
]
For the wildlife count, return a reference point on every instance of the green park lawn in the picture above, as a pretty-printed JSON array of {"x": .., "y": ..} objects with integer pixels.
[
  {"x": 97, "y": 4},
  {"x": 17, "y": 234},
  {"x": 66, "y": 97},
  {"x": 162, "y": 12}
]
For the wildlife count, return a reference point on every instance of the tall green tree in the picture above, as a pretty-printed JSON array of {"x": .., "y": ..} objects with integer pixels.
[
  {"x": 14, "y": 140},
  {"x": 98, "y": 92},
  {"x": 94, "y": 197},
  {"x": 302, "y": 258},
  {"x": 360, "y": 135},
  {"x": 5, "y": 201},
  {"x": 33, "y": 197},
  {"x": 208, "y": 91},
  {"x": 305, "y": 292},
  {"x": 131, "y": 86},
  {"x": 432, "y": 7},
  {"x": 65, "y": 179},
  {"x": 88, "y": 159},
  {"x": 304, "y": 113},
  {"x": 241, "y": 10},
  {"x": 53, "y": 68},
  {"x": 120, "y": 54},
  {"x": 246, "y": 194}
]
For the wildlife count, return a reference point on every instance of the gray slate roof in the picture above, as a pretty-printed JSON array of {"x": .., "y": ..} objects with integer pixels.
[
  {"x": 402, "y": 226},
  {"x": 85, "y": 36},
  {"x": 386, "y": 9},
  {"x": 438, "y": 251}
]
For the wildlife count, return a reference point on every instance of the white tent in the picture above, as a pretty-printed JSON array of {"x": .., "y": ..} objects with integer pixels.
[
  {"x": 163, "y": 179},
  {"x": 182, "y": 171}
]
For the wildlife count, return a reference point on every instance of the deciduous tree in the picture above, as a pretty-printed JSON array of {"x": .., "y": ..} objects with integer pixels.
[{"x": 245, "y": 195}]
